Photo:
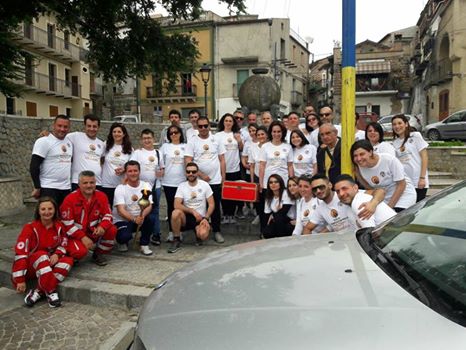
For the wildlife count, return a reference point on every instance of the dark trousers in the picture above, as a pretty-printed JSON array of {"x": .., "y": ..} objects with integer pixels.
[
  {"x": 260, "y": 210},
  {"x": 420, "y": 194},
  {"x": 156, "y": 193},
  {"x": 216, "y": 215},
  {"x": 170, "y": 197},
  {"x": 57, "y": 195},
  {"x": 126, "y": 229},
  {"x": 278, "y": 228},
  {"x": 229, "y": 207},
  {"x": 110, "y": 192}
]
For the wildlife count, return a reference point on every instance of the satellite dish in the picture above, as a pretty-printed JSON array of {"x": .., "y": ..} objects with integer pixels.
[{"x": 309, "y": 39}]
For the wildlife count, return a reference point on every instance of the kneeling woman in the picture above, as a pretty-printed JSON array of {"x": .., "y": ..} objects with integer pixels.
[
  {"x": 41, "y": 253},
  {"x": 277, "y": 206}
]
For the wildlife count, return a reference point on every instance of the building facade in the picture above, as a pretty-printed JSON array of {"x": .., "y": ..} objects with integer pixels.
[{"x": 57, "y": 79}]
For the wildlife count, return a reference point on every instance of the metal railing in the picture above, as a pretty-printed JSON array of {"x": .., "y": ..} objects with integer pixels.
[
  {"x": 439, "y": 72},
  {"x": 180, "y": 91},
  {"x": 50, "y": 85},
  {"x": 368, "y": 84}
]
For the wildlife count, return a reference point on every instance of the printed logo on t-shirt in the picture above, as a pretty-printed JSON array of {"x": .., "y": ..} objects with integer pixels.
[
  {"x": 402, "y": 148},
  {"x": 177, "y": 153},
  {"x": 63, "y": 148},
  {"x": 276, "y": 153},
  {"x": 193, "y": 194},
  {"x": 306, "y": 212},
  {"x": 300, "y": 157},
  {"x": 92, "y": 147},
  {"x": 284, "y": 150},
  {"x": 333, "y": 213},
  {"x": 20, "y": 245},
  {"x": 134, "y": 198},
  {"x": 375, "y": 180},
  {"x": 411, "y": 140},
  {"x": 306, "y": 151},
  {"x": 205, "y": 147},
  {"x": 117, "y": 154},
  {"x": 229, "y": 140},
  {"x": 151, "y": 159},
  {"x": 382, "y": 173}
]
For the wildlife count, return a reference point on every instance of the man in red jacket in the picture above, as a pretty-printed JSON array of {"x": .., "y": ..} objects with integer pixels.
[{"x": 88, "y": 220}]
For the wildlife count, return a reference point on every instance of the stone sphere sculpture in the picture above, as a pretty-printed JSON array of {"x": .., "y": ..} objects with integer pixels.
[{"x": 259, "y": 92}]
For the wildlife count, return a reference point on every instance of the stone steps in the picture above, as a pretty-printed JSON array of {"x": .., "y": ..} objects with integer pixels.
[
  {"x": 442, "y": 183},
  {"x": 438, "y": 180}
]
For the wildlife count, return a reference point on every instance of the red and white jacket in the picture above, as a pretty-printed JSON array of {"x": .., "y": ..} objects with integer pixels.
[
  {"x": 81, "y": 217},
  {"x": 36, "y": 237}
]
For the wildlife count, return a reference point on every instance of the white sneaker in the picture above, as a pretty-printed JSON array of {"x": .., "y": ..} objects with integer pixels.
[
  {"x": 170, "y": 237},
  {"x": 218, "y": 237},
  {"x": 145, "y": 250},
  {"x": 256, "y": 220},
  {"x": 122, "y": 247},
  {"x": 232, "y": 220},
  {"x": 225, "y": 220},
  {"x": 240, "y": 213}
]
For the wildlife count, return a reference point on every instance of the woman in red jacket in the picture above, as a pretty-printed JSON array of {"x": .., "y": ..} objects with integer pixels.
[{"x": 41, "y": 253}]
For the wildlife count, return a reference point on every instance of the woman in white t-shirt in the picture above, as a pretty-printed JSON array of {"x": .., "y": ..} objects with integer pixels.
[
  {"x": 172, "y": 155},
  {"x": 277, "y": 206},
  {"x": 252, "y": 129},
  {"x": 229, "y": 136},
  {"x": 374, "y": 134},
  {"x": 304, "y": 154},
  {"x": 118, "y": 151},
  {"x": 292, "y": 190},
  {"x": 411, "y": 150},
  {"x": 312, "y": 123},
  {"x": 305, "y": 206},
  {"x": 383, "y": 171}
]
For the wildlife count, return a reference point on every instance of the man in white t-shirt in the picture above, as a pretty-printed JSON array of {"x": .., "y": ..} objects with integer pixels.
[
  {"x": 194, "y": 205},
  {"x": 348, "y": 193},
  {"x": 50, "y": 166},
  {"x": 209, "y": 155},
  {"x": 87, "y": 150},
  {"x": 174, "y": 116},
  {"x": 193, "y": 116},
  {"x": 127, "y": 213}
]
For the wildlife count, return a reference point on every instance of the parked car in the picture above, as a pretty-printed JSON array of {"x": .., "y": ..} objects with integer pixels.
[
  {"x": 401, "y": 285},
  {"x": 366, "y": 118},
  {"x": 386, "y": 122},
  {"x": 127, "y": 118},
  {"x": 452, "y": 127}
]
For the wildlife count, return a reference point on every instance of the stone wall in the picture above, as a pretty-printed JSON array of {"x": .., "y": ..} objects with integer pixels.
[
  {"x": 11, "y": 196},
  {"x": 448, "y": 159},
  {"x": 18, "y": 134}
]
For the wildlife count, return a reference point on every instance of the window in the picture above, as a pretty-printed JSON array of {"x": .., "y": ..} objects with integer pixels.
[
  {"x": 67, "y": 40},
  {"x": 324, "y": 79},
  {"x": 186, "y": 84},
  {"x": 31, "y": 109},
  {"x": 282, "y": 49},
  {"x": 27, "y": 29},
  {"x": 68, "y": 112},
  {"x": 68, "y": 77},
  {"x": 443, "y": 104},
  {"x": 53, "y": 111},
  {"x": 28, "y": 70},
  {"x": 52, "y": 76},
  {"x": 241, "y": 76},
  {"x": 51, "y": 35},
  {"x": 10, "y": 105}
]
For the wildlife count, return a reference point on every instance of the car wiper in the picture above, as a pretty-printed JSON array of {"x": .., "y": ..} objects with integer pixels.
[{"x": 385, "y": 258}]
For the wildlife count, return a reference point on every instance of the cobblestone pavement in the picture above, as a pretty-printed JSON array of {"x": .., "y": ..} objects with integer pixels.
[{"x": 72, "y": 326}]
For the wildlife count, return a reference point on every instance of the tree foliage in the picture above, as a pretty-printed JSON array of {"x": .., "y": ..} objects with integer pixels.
[{"x": 124, "y": 40}]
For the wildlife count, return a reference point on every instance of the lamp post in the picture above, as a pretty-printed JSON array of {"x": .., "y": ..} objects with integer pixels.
[{"x": 205, "y": 75}]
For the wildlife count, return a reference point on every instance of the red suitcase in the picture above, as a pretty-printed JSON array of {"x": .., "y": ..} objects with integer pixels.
[{"x": 240, "y": 191}]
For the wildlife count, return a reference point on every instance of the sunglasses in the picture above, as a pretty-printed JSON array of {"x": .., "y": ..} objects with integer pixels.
[
  {"x": 273, "y": 182},
  {"x": 239, "y": 118},
  {"x": 325, "y": 114},
  {"x": 318, "y": 188},
  {"x": 311, "y": 120},
  {"x": 174, "y": 133},
  {"x": 203, "y": 126},
  {"x": 191, "y": 171}
]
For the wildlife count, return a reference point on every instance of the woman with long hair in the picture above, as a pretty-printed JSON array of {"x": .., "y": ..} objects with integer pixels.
[
  {"x": 292, "y": 190},
  {"x": 411, "y": 150},
  {"x": 229, "y": 136},
  {"x": 305, "y": 206},
  {"x": 118, "y": 151},
  {"x": 374, "y": 134},
  {"x": 311, "y": 128},
  {"x": 304, "y": 154},
  {"x": 383, "y": 171},
  {"x": 41, "y": 253},
  {"x": 172, "y": 154},
  {"x": 277, "y": 206}
]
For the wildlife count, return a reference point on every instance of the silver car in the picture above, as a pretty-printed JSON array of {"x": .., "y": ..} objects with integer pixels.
[
  {"x": 386, "y": 123},
  {"x": 452, "y": 127},
  {"x": 401, "y": 285}
]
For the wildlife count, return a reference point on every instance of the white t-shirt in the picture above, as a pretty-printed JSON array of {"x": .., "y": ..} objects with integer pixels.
[
  {"x": 333, "y": 214},
  {"x": 313, "y": 138},
  {"x": 247, "y": 152},
  {"x": 409, "y": 155},
  {"x": 384, "y": 147},
  {"x": 304, "y": 212},
  {"x": 227, "y": 139},
  {"x": 150, "y": 163},
  {"x": 359, "y": 135},
  {"x": 55, "y": 169},
  {"x": 86, "y": 155},
  {"x": 195, "y": 197},
  {"x": 303, "y": 160},
  {"x": 114, "y": 158},
  {"x": 385, "y": 174},
  {"x": 190, "y": 133},
  {"x": 129, "y": 197},
  {"x": 173, "y": 159},
  {"x": 254, "y": 157},
  {"x": 244, "y": 132},
  {"x": 276, "y": 204},
  {"x": 382, "y": 213},
  {"x": 205, "y": 153},
  {"x": 276, "y": 159}
]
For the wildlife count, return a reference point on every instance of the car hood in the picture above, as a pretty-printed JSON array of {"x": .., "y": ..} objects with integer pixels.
[
  {"x": 318, "y": 291},
  {"x": 433, "y": 125}
]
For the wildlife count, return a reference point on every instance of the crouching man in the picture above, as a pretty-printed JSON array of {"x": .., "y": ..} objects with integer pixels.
[
  {"x": 194, "y": 205},
  {"x": 88, "y": 220}
]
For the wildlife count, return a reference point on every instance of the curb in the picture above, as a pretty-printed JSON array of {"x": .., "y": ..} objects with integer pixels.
[{"x": 122, "y": 339}]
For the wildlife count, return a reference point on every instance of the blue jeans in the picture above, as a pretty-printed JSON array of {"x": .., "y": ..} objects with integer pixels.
[
  {"x": 126, "y": 229},
  {"x": 156, "y": 193}
]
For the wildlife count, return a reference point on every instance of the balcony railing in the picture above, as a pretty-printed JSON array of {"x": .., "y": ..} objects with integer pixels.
[
  {"x": 296, "y": 98},
  {"x": 50, "y": 43},
  {"x": 439, "y": 72},
  {"x": 367, "y": 84},
  {"x": 50, "y": 85},
  {"x": 180, "y": 91}
]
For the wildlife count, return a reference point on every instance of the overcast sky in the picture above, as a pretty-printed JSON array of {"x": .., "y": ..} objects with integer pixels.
[{"x": 321, "y": 19}]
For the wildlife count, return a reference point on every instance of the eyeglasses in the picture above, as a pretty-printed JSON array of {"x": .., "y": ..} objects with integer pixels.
[
  {"x": 174, "y": 133},
  {"x": 273, "y": 182},
  {"x": 239, "y": 118},
  {"x": 318, "y": 188},
  {"x": 324, "y": 114},
  {"x": 311, "y": 120},
  {"x": 203, "y": 126},
  {"x": 191, "y": 171}
]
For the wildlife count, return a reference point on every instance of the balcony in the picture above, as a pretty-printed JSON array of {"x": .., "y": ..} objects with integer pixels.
[
  {"x": 96, "y": 89},
  {"x": 180, "y": 94},
  {"x": 51, "y": 86},
  {"x": 438, "y": 72},
  {"x": 49, "y": 44},
  {"x": 374, "y": 85},
  {"x": 296, "y": 99}
]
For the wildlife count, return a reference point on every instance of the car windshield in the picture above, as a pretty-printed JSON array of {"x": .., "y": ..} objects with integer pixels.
[{"x": 429, "y": 241}]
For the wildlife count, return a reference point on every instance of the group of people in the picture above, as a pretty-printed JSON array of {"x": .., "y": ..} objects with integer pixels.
[{"x": 91, "y": 193}]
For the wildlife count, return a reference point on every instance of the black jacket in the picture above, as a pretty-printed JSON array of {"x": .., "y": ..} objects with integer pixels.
[{"x": 335, "y": 168}]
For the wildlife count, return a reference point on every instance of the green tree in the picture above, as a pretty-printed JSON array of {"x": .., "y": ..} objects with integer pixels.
[{"x": 124, "y": 40}]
